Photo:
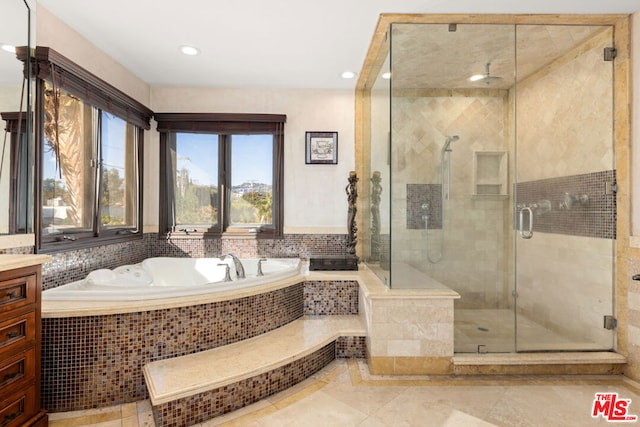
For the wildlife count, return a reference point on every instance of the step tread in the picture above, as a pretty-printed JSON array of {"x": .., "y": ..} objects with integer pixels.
[
  {"x": 184, "y": 376},
  {"x": 601, "y": 357}
]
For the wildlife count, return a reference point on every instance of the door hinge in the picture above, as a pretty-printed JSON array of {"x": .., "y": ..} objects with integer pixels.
[
  {"x": 610, "y": 188},
  {"x": 610, "y": 53},
  {"x": 610, "y": 322}
]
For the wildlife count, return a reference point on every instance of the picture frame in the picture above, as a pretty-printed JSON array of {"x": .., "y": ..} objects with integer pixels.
[{"x": 321, "y": 148}]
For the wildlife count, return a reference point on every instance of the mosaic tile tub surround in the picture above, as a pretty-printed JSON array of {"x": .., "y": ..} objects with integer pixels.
[
  {"x": 97, "y": 361},
  {"x": 203, "y": 406}
]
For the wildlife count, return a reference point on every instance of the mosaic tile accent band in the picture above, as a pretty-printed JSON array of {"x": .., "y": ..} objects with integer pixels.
[
  {"x": 573, "y": 205},
  {"x": 419, "y": 195},
  {"x": 331, "y": 297},
  {"x": 204, "y": 406},
  {"x": 74, "y": 265},
  {"x": 351, "y": 348}
]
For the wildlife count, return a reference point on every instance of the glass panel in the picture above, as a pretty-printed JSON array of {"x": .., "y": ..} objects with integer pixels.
[
  {"x": 517, "y": 222},
  {"x": 194, "y": 169},
  {"x": 449, "y": 156},
  {"x": 378, "y": 186},
  {"x": 251, "y": 180},
  {"x": 68, "y": 179},
  {"x": 565, "y": 157},
  {"x": 16, "y": 151},
  {"x": 119, "y": 186}
]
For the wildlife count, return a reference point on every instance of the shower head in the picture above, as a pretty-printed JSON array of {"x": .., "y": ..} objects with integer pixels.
[
  {"x": 486, "y": 78},
  {"x": 448, "y": 142}
]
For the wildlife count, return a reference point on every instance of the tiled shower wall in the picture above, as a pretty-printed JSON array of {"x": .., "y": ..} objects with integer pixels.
[{"x": 475, "y": 250}]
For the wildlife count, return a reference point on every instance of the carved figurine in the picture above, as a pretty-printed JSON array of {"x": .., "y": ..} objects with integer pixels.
[
  {"x": 352, "y": 197},
  {"x": 376, "y": 190}
]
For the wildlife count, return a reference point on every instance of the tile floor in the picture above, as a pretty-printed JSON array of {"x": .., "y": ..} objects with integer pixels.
[
  {"x": 494, "y": 330},
  {"x": 345, "y": 394}
]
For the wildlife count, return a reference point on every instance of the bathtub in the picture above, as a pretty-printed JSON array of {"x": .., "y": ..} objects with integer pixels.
[{"x": 165, "y": 277}]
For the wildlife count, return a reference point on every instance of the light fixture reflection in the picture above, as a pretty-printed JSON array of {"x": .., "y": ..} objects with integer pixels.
[
  {"x": 386, "y": 75},
  {"x": 189, "y": 50},
  {"x": 8, "y": 48}
]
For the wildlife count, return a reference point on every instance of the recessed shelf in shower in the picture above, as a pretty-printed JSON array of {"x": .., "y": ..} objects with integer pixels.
[{"x": 489, "y": 173}]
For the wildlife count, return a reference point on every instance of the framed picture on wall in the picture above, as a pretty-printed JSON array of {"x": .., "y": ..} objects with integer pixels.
[{"x": 321, "y": 148}]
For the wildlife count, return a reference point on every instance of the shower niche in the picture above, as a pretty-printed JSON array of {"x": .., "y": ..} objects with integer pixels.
[
  {"x": 467, "y": 214},
  {"x": 490, "y": 173}
]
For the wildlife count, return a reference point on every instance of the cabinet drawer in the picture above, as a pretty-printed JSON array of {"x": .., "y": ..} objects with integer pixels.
[
  {"x": 17, "y": 332},
  {"x": 17, "y": 371},
  {"x": 17, "y": 292},
  {"x": 18, "y": 408}
]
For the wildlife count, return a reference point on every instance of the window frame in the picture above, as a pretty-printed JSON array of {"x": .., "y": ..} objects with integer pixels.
[
  {"x": 21, "y": 179},
  {"x": 224, "y": 125},
  {"x": 50, "y": 66}
]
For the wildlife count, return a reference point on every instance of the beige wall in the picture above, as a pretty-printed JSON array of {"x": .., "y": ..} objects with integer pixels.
[
  {"x": 475, "y": 241},
  {"x": 629, "y": 261},
  {"x": 53, "y": 33},
  {"x": 315, "y": 199},
  {"x": 635, "y": 123}
]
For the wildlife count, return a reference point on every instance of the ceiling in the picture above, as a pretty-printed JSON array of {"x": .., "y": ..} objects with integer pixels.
[
  {"x": 429, "y": 56},
  {"x": 264, "y": 43}
]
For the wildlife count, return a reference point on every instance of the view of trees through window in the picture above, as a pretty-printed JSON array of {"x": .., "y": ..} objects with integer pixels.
[
  {"x": 74, "y": 159},
  {"x": 195, "y": 179}
]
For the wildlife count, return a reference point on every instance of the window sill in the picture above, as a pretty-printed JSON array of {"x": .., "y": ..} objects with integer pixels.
[
  {"x": 231, "y": 234},
  {"x": 86, "y": 242}
]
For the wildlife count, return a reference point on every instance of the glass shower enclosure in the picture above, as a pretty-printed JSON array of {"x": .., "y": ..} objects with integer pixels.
[{"x": 491, "y": 165}]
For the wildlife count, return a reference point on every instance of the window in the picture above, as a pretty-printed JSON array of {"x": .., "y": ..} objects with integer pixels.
[
  {"x": 90, "y": 152},
  {"x": 221, "y": 174},
  {"x": 16, "y": 175}
]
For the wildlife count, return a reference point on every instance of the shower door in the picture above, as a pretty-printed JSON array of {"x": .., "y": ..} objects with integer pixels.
[
  {"x": 498, "y": 170},
  {"x": 564, "y": 205}
]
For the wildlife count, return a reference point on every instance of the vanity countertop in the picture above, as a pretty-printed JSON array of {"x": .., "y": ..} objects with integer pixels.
[{"x": 11, "y": 261}]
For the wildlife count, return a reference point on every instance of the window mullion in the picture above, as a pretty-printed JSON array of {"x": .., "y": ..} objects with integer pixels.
[
  {"x": 224, "y": 178},
  {"x": 97, "y": 165}
]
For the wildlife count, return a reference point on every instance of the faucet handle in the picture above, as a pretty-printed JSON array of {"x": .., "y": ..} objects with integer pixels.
[
  {"x": 260, "y": 261},
  {"x": 227, "y": 272}
]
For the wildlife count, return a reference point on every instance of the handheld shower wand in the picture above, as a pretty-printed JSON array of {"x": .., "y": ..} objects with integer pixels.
[{"x": 447, "y": 150}]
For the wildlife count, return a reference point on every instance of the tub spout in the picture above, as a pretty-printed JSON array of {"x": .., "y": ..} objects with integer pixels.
[{"x": 238, "y": 265}]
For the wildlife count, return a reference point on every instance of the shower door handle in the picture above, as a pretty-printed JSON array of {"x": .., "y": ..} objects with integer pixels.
[{"x": 528, "y": 233}]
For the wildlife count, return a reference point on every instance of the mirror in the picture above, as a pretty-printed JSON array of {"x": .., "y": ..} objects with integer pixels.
[{"x": 16, "y": 141}]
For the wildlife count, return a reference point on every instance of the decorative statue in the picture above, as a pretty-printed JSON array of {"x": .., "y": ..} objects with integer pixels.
[
  {"x": 352, "y": 197},
  {"x": 376, "y": 190}
]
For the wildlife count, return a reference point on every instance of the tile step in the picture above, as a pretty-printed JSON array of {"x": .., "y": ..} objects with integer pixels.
[
  {"x": 184, "y": 376},
  {"x": 551, "y": 358}
]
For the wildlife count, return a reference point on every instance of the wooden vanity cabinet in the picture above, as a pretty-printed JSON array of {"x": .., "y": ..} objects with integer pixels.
[{"x": 20, "y": 290}]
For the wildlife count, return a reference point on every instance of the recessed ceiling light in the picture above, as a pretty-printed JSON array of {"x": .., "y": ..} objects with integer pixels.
[
  {"x": 8, "y": 48},
  {"x": 386, "y": 75},
  {"x": 348, "y": 75},
  {"x": 189, "y": 50},
  {"x": 476, "y": 77}
]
